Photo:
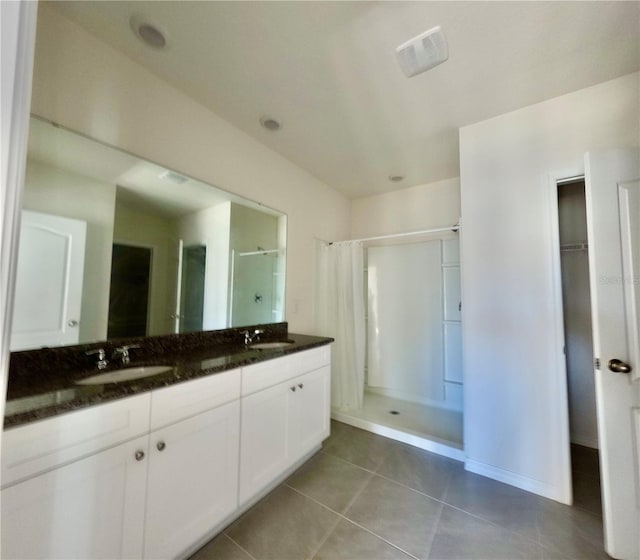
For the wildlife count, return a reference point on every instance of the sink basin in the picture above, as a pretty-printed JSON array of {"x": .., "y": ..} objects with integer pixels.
[
  {"x": 121, "y": 375},
  {"x": 268, "y": 345}
]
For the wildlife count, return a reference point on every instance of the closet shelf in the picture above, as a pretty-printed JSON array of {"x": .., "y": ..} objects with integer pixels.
[{"x": 574, "y": 247}]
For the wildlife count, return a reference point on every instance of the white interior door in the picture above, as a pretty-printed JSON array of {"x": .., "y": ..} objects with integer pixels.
[
  {"x": 613, "y": 216},
  {"x": 48, "y": 295}
]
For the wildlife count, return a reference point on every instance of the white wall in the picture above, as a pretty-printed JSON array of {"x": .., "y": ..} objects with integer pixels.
[
  {"x": 60, "y": 192},
  {"x": 515, "y": 391},
  {"x": 211, "y": 227},
  {"x": 420, "y": 207},
  {"x": 89, "y": 87}
]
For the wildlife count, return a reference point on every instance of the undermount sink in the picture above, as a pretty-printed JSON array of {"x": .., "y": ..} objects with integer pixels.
[
  {"x": 127, "y": 374},
  {"x": 268, "y": 345}
]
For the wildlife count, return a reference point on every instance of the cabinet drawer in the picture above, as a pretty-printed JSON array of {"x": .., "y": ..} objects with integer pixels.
[
  {"x": 266, "y": 374},
  {"x": 40, "y": 446},
  {"x": 171, "y": 404}
]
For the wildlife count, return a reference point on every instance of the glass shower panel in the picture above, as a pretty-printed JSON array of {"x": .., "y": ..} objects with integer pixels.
[{"x": 255, "y": 281}]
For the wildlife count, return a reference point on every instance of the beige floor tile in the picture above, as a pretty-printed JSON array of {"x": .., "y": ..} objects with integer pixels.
[
  {"x": 349, "y": 542},
  {"x": 329, "y": 480},
  {"x": 283, "y": 526},
  {"x": 401, "y": 516}
]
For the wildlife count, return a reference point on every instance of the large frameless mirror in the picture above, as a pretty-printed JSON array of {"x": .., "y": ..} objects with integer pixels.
[{"x": 113, "y": 246}]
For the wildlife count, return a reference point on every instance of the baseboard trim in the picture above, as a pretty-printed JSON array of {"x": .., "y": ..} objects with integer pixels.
[{"x": 517, "y": 480}]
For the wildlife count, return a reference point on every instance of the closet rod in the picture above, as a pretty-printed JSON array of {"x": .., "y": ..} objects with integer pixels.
[{"x": 454, "y": 229}]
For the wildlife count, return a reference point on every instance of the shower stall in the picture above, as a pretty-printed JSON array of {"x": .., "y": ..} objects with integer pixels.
[{"x": 413, "y": 371}]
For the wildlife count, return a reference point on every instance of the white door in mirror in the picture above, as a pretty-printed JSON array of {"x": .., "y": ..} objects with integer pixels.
[{"x": 48, "y": 281}]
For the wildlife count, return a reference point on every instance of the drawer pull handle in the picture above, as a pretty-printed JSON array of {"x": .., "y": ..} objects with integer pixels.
[
  {"x": 139, "y": 455},
  {"x": 161, "y": 445},
  {"x": 293, "y": 389},
  {"x": 301, "y": 385}
]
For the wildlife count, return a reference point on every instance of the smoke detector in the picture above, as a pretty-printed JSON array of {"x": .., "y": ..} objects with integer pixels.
[{"x": 423, "y": 52}]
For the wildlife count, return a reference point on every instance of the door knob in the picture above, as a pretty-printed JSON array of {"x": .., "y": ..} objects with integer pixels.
[
  {"x": 72, "y": 323},
  {"x": 618, "y": 366}
]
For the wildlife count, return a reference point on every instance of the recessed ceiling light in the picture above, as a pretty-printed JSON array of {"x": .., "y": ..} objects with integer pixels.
[
  {"x": 270, "y": 123},
  {"x": 396, "y": 178},
  {"x": 149, "y": 33}
]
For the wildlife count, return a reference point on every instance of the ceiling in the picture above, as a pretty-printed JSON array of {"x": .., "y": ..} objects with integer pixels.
[{"x": 328, "y": 72}]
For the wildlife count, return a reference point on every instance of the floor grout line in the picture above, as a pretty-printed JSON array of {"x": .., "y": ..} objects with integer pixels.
[
  {"x": 436, "y": 525},
  {"x": 343, "y": 517},
  {"x": 240, "y": 547}
]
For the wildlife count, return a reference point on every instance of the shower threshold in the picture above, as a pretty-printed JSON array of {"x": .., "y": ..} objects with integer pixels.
[{"x": 430, "y": 428}]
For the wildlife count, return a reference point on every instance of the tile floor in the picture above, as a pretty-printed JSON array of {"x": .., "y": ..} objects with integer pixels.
[{"x": 366, "y": 497}]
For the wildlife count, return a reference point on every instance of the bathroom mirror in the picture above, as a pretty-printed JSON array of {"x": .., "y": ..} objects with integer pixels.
[{"x": 114, "y": 246}]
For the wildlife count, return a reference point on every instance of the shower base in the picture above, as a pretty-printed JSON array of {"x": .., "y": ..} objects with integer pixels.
[{"x": 433, "y": 429}]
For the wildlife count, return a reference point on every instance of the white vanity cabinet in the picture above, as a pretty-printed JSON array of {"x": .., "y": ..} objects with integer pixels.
[
  {"x": 282, "y": 422},
  {"x": 193, "y": 480},
  {"x": 154, "y": 475},
  {"x": 91, "y": 508},
  {"x": 65, "y": 496},
  {"x": 150, "y": 497}
]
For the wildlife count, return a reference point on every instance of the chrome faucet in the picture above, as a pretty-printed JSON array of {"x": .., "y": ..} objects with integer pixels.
[
  {"x": 249, "y": 337},
  {"x": 102, "y": 362},
  {"x": 123, "y": 352}
]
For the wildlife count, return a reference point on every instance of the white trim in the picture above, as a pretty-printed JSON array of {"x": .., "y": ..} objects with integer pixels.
[
  {"x": 18, "y": 32},
  {"x": 557, "y": 334},
  {"x": 517, "y": 480},
  {"x": 446, "y": 449}
]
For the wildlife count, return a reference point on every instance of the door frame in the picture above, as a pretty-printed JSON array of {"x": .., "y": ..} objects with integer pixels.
[
  {"x": 18, "y": 48},
  {"x": 553, "y": 179}
]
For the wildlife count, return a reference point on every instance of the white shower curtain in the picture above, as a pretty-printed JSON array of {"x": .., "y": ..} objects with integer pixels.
[{"x": 340, "y": 314}]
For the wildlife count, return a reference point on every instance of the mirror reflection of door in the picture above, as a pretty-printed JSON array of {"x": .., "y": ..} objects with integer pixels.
[
  {"x": 129, "y": 294},
  {"x": 49, "y": 276},
  {"x": 194, "y": 259}
]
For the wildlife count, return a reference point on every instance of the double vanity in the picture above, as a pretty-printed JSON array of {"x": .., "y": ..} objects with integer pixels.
[{"x": 143, "y": 463}]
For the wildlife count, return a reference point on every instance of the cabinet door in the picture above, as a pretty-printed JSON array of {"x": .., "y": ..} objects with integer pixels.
[
  {"x": 264, "y": 445},
  {"x": 310, "y": 411},
  {"x": 92, "y": 508},
  {"x": 193, "y": 480}
]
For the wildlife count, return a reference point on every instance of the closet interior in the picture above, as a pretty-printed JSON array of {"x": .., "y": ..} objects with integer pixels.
[{"x": 576, "y": 304}]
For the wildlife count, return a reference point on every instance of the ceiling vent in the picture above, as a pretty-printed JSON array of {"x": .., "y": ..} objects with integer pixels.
[
  {"x": 423, "y": 52},
  {"x": 173, "y": 177}
]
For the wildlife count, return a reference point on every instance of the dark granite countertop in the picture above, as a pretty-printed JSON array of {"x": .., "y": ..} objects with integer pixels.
[{"x": 35, "y": 393}]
